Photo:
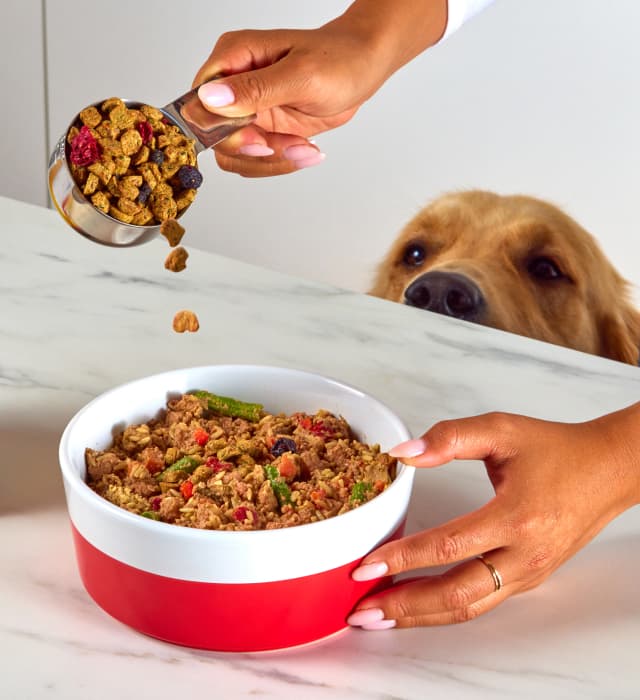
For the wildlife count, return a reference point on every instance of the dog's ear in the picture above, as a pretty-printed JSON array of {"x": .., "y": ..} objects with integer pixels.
[{"x": 620, "y": 335}]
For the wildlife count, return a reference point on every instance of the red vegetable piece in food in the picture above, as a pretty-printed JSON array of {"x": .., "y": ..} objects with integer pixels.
[
  {"x": 146, "y": 131},
  {"x": 320, "y": 429},
  {"x": 217, "y": 466},
  {"x": 287, "y": 467},
  {"x": 305, "y": 422},
  {"x": 186, "y": 489},
  {"x": 201, "y": 436},
  {"x": 240, "y": 514},
  {"x": 84, "y": 148},
  {"x": 154, "y": 464}
]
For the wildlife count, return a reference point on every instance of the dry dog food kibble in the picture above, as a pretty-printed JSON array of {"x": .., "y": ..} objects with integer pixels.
[
  {"x": 185, "y": 320},
  {"x": 172, "y": 231},
  {"x": 216, "y": 463},
  {"x": 132, "y": 163},
  {"x": 177, "y": 259}
]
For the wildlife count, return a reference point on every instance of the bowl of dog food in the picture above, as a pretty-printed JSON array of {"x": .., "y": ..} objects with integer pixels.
[{"x": 224, "y": 507}]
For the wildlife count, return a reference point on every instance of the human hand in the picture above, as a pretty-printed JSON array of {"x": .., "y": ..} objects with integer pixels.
[
  {"x": 301, "y": 83},
  {"x": 556, "y": 484}
]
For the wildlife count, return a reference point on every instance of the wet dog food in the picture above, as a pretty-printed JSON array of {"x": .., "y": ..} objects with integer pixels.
[{"x": 216, "y": 463}]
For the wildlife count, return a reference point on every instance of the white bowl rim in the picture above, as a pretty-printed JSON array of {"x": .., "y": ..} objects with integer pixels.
[{"x": 404, "y": 472}]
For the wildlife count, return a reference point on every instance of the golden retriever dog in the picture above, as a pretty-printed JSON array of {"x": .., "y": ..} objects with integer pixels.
[{"x": 515, "y": 263}]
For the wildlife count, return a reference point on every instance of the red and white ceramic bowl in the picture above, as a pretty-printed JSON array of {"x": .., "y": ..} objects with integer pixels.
[{"x": 229, "y": 591}]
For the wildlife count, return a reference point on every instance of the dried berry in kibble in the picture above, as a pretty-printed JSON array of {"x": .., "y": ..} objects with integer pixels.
[
  {"x": 144, "y": 192},
  {"x": 157, "y": 156},
  {"x": 190, "y": 178},
  {"x": 84, "y": 148},
  {"x": 146, "y": 131},
  {"x": 282, "y": 445}
]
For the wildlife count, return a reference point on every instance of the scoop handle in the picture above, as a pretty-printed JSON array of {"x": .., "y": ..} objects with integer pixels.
[{"x": 198, "y": 123}]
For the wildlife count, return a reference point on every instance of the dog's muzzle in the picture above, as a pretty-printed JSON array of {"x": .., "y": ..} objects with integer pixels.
[{"x": 448, "y": 293}]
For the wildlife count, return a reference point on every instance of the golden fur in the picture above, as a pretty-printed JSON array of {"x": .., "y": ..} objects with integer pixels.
[{"x": 535, "y": 272}]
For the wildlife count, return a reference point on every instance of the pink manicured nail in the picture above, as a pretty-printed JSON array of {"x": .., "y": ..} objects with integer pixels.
[
  {"x": 256, "y": 149},
  {"x": 382, "y": 625},
  {"x": 216, "y": 95},
  {"x": 365, "y": 617},
  {"x": 411, "y": 448},
  {"x": 309, "y": 162},
  {"x": 300, "y": 152},
  {"x": 370, "y": 571}
]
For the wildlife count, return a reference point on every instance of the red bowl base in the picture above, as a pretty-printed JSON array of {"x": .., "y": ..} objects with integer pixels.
[{"x": 242, "y": 617}]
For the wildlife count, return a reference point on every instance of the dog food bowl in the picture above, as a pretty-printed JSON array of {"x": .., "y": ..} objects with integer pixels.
[{"x": 229, "y": 590}]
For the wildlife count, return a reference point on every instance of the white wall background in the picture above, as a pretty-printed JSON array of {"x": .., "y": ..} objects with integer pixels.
[
  {"x": 23, "y": 148},
  {"x": 533, "y": 96}
]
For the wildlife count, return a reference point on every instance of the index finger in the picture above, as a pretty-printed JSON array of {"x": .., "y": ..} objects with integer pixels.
[
  {"x": 468, "y": 536},
  {"x": 237, "y": 52}
]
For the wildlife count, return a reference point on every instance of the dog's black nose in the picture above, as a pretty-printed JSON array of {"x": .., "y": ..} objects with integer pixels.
[{"x": 448, "y": 293}]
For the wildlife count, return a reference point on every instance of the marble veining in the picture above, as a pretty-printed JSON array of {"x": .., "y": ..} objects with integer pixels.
[{"x": 77, "y": 318}]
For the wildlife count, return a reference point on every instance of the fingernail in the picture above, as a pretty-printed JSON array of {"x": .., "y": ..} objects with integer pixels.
[
  {"x": 367, "y": 572},
  {"x": 365, "y": 617},
  {"x": 216, "y": 94},
  {"x": 411, "y": 448},
  {"x": 300, "y": 152},
  {"x": 309, "y": 162},
  {"x": 256, "y": 149},
  {"x": 382, "y": 625}
]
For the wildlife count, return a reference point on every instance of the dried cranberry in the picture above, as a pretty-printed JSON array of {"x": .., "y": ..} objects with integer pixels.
[
  {"x": 282, "y": 445},
  {"x": 146, "y": 131},
  {"x": 217, "y": 466},
  {"x": 320, "y": 429},
  {"x": 240, "y": 514},
  {"x": 155, "y": 502},
  {"x": 84, "y": 148}
]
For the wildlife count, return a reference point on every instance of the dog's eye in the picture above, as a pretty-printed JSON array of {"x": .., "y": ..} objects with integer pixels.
[
  {"x": 414, "y": 255},
  {"x": 544, "y": 269}
]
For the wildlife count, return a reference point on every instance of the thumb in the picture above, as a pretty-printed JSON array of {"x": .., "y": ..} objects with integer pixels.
[
  {"x": 479, "y": 437},
  {"x": 251, "y": 92}
]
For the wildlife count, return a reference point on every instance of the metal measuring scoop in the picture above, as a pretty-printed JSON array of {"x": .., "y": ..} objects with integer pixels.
[{"x": 188, "y": 114}]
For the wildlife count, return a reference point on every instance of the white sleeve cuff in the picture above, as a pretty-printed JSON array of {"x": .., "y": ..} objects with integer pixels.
[{"x": 460, "y": 11}]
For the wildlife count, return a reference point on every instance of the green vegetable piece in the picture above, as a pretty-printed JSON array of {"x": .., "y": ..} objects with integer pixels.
[
  {"x": 278, "y": 485},
  {"x": 152, "y": 515},
  {"x": 186, "y": 464},
  {"x": 225, "y": 406},
  {"x": 271, "y": 472},
  {"x": 360, "y": 490},
  {"x": 282, "y": 492}
]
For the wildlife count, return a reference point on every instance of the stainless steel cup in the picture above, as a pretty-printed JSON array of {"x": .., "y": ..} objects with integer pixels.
[{"x": 187, "y": 112}]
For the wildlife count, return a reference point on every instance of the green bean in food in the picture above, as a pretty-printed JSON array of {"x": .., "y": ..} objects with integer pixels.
[
  {"x": 185, "y": 464},
  {"x": 226, "y": 406}
]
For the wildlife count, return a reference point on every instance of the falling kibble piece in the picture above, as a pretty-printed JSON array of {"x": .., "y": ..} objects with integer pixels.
[
  {"x": 176, "y": 260},
  {"x": 172, "y": 231},
  {"x": 185, "y": 320}
]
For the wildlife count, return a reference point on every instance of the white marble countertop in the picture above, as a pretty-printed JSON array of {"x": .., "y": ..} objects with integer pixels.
[{"x": 77, "y": 318}]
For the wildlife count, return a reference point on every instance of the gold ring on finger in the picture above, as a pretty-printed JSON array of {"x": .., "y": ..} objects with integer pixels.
[{"x": 495, "y": 574}]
